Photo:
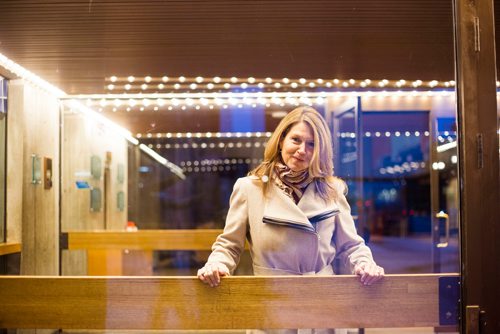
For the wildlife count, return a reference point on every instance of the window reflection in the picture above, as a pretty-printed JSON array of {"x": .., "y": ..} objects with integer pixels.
[{"x": 397, "y": 154}]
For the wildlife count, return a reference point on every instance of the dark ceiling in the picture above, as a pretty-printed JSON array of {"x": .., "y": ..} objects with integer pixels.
[{"x": 76, "y": 44}]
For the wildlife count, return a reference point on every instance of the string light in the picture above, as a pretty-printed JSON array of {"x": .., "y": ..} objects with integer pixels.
[{"x": 406, "y": 167}]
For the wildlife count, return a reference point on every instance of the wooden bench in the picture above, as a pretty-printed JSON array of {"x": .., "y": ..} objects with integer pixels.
[{"x": 239, "y": 302}]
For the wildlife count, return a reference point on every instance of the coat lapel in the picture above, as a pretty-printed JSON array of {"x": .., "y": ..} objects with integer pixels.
[
  {"x": 315, "y": 208},
  {"x": 280, "y": 209}
]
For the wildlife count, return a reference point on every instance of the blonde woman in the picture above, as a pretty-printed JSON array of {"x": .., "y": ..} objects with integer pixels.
[{"x": 292, "y": 210}]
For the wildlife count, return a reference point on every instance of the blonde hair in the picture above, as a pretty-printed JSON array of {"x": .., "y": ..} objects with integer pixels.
[{"x": 321, "y": 166}]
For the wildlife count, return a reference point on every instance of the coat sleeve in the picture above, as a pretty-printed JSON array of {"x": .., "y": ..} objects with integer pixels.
[
  {"x": 351, "y": 248},
  {"x": 230, "y": 244}
]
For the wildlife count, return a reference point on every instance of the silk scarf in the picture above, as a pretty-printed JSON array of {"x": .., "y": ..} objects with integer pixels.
[{"x": 291, "y": 182}]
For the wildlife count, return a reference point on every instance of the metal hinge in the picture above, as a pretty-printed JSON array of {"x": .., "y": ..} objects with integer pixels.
[
  {"x": 479, "y": 150},
  {"x": 477, "y": 35},
  {"x": 472, "y": 319},
  {"x": 63, "y": 241}
]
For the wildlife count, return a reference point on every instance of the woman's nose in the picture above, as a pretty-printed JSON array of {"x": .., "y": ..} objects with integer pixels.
[{"x": 302, "y": 148}]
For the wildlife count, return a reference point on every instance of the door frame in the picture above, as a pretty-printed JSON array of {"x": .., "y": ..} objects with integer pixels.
[{"x": 478, "y": 162}]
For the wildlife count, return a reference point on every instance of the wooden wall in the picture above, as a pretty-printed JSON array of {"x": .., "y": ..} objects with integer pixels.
[
  {"x": 32, "y": 210},
  {"x": 82, "y": 138}
]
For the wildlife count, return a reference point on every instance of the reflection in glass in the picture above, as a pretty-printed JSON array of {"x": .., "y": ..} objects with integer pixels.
[{"x": 401, "y": 152}]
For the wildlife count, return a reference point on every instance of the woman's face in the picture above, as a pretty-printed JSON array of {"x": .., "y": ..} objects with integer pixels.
[{"x": 297, "y": 147}]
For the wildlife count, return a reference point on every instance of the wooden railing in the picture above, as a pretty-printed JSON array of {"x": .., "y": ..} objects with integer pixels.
[
  {"x": 238, "y": 303},
  {"x": 9, "y": 248},
  {"x": 105, "y": 254},
  {"x": 201, "y": 239}
]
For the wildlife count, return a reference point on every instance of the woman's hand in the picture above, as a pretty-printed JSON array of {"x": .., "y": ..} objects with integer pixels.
[
  {"x": 212, "y": 272},
  {"x": 369, "y": 272}
]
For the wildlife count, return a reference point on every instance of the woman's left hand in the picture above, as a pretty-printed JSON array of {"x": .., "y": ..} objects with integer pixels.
[{"x": 369, "y": 272}]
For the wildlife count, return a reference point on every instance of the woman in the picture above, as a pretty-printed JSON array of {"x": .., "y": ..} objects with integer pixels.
[{"x": 292, "y": 210}]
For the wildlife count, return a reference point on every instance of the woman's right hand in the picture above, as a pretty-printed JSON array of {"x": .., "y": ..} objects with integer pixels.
[{"x": 212, "y": 272}]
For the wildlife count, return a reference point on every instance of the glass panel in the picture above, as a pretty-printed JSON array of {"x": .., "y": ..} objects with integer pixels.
[
  {"x": 407, "y": 209},
  {"x": 394, "y": 143}
]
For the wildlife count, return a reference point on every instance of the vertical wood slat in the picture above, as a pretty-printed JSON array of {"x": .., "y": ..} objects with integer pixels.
[{"x": 238, "y": 303}]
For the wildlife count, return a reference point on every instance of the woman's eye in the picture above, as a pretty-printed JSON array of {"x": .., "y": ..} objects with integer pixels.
[
  {"x": 311, "y": 144},
  {"x": 295, "y": 139}
]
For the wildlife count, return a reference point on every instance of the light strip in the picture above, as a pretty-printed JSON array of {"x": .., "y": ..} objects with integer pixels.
[
  {"x": 174, "y": 135},
  {"x": 447, "y": 146},
  {"x": 152, "y": 97},
  {"x": 193, "y": 83},
  {"x": 174, "y": 168},
  {"x": 73, "y": 104},
  {"x": 23, "y": 73},
  {"x": 29, "y": 76}
]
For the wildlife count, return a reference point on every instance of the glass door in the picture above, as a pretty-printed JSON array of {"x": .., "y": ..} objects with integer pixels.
[{"x": 396, "y": 155}]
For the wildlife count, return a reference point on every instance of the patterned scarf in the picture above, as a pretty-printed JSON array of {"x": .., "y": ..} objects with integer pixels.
[{"x": 292, "y": 183}]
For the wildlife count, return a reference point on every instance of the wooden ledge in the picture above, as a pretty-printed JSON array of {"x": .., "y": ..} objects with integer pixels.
[
  {"x": 201, "y": 239},
  {"x": 10, "y": 248},
  {"x": 238, "y": 303}
]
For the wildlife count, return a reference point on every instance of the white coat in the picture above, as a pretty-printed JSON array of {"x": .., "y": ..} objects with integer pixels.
[{"x": 287, "y": 238}]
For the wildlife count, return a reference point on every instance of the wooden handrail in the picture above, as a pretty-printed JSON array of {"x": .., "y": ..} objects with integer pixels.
[
  {"x": 240, "y": 302},
  {"x": 10, "y": 248},
  {"x": 199, "y": 239}
]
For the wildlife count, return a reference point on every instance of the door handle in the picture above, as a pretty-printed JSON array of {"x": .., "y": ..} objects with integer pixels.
[{"x": 443, "y": 215}]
